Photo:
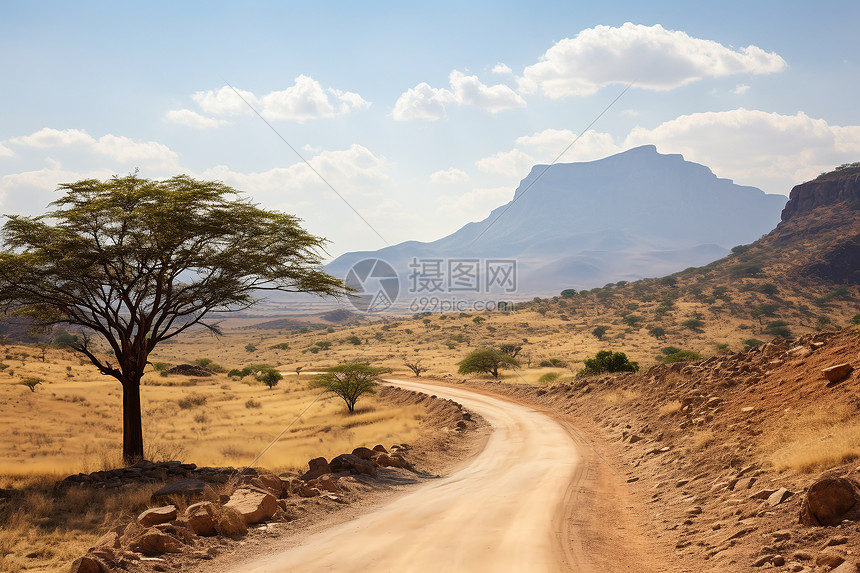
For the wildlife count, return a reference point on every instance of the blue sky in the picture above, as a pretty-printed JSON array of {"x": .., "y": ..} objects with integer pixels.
[{"x": 423, "y": 117}]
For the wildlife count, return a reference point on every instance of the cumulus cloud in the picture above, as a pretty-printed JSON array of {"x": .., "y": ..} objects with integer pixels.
[
  {"x": 447, "y": 176},
  {"x": 5, "y": 151},
  {"x": 190, "y": 118},
  {"x": 352, "y": 170},
  {"x": 502, "y": 69},
  {"x": 514, "y": 164},
  {"x": 428, "y": 103},
  {"x": 148, "y": 154},
  {"x": 768, "y": 150},
  {"x": 475, "y": 204},
  {"x": 740, "y": 89},
  {"x": 551, "y": 142},
  {"x": 651, "y": 56},
  {"x": 305, "y": 100}
]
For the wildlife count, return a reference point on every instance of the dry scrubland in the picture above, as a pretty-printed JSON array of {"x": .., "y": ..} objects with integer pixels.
[{"x": 72, "y": 423}]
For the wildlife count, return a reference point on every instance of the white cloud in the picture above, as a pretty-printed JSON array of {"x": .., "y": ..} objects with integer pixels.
[
  {"x": 551, "y": 142},
  {"x": 193, "y": 119},
  {"x": 352, "y": 170},
  {"x": 650, "y": 56},
  {"x": 768, "y": 150},
  {"x": 5, "y": 151},
  {"x": 513, "y": 164},
  {"x": 428, "y": 103},
  {"x": 502, "y": 69},
  {"x": 448, "y": 176},
  {"x": 468, "y": 90},
  {"x": 225, "y": 101},
  {"x": 49, "y": 137},
  {"x": 475, "y": 204},
  {"x": 422, "y": 102},
  {"x": 305, "y": 100},
  {"x": 149, "y": 154},
  {"x": 740, "y": 89}
]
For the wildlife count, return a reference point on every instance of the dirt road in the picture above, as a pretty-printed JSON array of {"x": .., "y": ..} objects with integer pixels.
[{"x": 498, "y": 513}]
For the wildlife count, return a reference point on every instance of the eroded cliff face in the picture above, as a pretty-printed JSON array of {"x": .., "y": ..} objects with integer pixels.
[{"x": 809, "y": 196}]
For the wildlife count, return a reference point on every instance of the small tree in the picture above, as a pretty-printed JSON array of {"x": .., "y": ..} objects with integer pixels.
[
  {"x": 416, "y": 367},
  {"x": 31, "y": 383},
  {"x": 608, "y": 361},
  {"x": 657, "y": 332},
  {"x": 488, "y": 361},
  {"x": 511, "y": 349},
  {"x": 349, "y": 381},
  {"x": 269, "y": 376},
  {"x": 568, "y": 293}
]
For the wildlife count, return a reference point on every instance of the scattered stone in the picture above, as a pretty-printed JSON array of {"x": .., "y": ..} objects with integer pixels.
[
  {"x": 803, "y": 555},
  {"x": 380, "y": 448},
  {"x": 230, "y": 523},
  {"x": 363, "y": 453},
  {"x": 744, "y": 484},
  {"x": 154, "y": 542},
  {"x": 157, "y": 515},
  {"x": 827, "y": 501},
  {"x": 837, "y": 372},
  {"x": 778, "y": 561},
  {"x": 846, "y": 567},
  {"x": 201, "y": 518},
  {"x": 325, "y": 483},
  {"x": 270, "y": 483},
  {"x": 188, "y": 489},
  {"x": 840, "y": 540},
  {"x": 634, "y": 438},
  {"x": 779, "y": 496},
  {"x": 830, "y": 559},
  {"x": 352, "y": 464},
  {"x": 763, "y": 494},
  {"x": 88, "y": 564},
  {"x": 762, "y": 560},
  {"x": 781, "y": 535},
  {"x": 318, "y": 467},
  {"x": 307, "y": 491},
  {"x": 253, "y": 505}
]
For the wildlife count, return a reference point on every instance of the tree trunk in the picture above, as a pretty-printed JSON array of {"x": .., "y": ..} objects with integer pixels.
[{"x": 132, "y": 427}]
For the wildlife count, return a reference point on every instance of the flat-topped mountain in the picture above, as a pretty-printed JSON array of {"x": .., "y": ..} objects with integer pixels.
[{"x": 635, "y": 214}]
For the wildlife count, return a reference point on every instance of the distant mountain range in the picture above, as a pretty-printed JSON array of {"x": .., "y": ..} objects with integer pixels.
[{"x": 636, "y": 214}]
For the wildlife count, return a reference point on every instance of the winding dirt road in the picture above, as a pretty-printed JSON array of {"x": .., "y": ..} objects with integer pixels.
[{"x": 501, "y": 512}]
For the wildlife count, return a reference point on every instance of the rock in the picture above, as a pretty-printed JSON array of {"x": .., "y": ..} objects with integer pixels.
[
  {"x": 352, "y": 464},
  {"x": 390, "y": 460},
  {"x": 307, "y": 491},
  {"x": 744, "y": 484},
  {"x": 157, "y": 515},
  {"x": 254, "y": 506},
  {"x": 318, "y": 467},
  {"x": 325, "y": 483},
  {"x": 781, "y": 535},
  {"x": 837, "y": 372},
  {"x": 762, "y": 560},
  {"x": 827, "y": 501},
  {"x": 778, "y": 560},
  {"x": 779, "y": 496},
  {"x": 201, "y": 518},
  {"x": 88, "y": 564},
  {"x": 846, "y": 567},
  {"x": 830, "y": 559},
  {"x": 270, "y": 483},
  {"x": 363, "y": 453},
  {"x": 188, "y": 489},
  {"x": 230, "y": 523},
  {"x": 380, "y": 448},
  {"x": 833, "y": 541},
  {"x": 763, "y": 494},
  {"x": 154, "y": 542},
  {"x": 803, "y": 555},
  {"x": 110, "y": 539},
  {"x": 634, "y": 438}
]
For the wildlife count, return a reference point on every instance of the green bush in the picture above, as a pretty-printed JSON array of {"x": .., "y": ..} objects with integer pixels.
[
  {"x": 599, "y": 331},
  {"x": 281, "y": 346},
  {"x": 487, "y": 361},
  {"x": 693, "y": 324},
  {"x": 778, "y": 328},
  {"x": 670, "y": 350},
  {"x": 856, "y": 319},
  {"x": 549, "y": 378},
  {"x": 608, "y": 361},
  {"x": 681, "y": 356},
  {"x": 552, "y": 363},
  {"x": 751, "y": 343},
  {"x": 353, "y": 340}
]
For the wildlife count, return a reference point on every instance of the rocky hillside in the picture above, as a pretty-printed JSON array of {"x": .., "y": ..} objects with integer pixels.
[{"x": 740, "y": 462}]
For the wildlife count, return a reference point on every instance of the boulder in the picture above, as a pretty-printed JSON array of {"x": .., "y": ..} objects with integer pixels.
[
  {"x": 230, "y": 523},
  {"x": 837, "y": 372},
  {"x": 88, "y": 564},
  {"x": 363, "y": 453},
  {"x": 109, "y": 539},
  {"x": 325, "y": 483},
  {"x": 154, "y": 542},
  {"x": 270, "y": 483},
  {"x": 157, "y": 515},
  {"x": 308, "y": 491},
  {"x": 847, "y": 567},
  {"x": 201, "y": 518},
  {"x": 253, "y": 505},
  {"x": 188, "y": 489},
  {"x": 827, "y": 501},
  {"x": 380, "y": 448},
  {"x": 779, "y": 496},
  {"x": 352, "y": 464},
  {"x": 390, "y": 460},
  {"x": 318, "y": 467}
]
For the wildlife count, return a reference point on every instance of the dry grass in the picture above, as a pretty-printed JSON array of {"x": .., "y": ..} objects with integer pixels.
[
  {"x": 703, "y": 438},
  {"x": 670, "y": 408},
  {"x": 816, "y": 441},
  {"x": 621, "y": 397}
]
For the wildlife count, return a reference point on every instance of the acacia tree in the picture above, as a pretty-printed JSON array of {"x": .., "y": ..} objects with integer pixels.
[
  {"x": 135, "y": 262},
  {"x": 488, "y": 361},
  {"x": 349, "y": 381}
]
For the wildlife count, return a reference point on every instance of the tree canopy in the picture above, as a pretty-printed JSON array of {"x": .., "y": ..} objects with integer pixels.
[
  {"x": 135, "y": 262},
  {"x": 608, "y": 361},
  {"x": 488, "y": 361},
  {"x": 349, "y": 381}
]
